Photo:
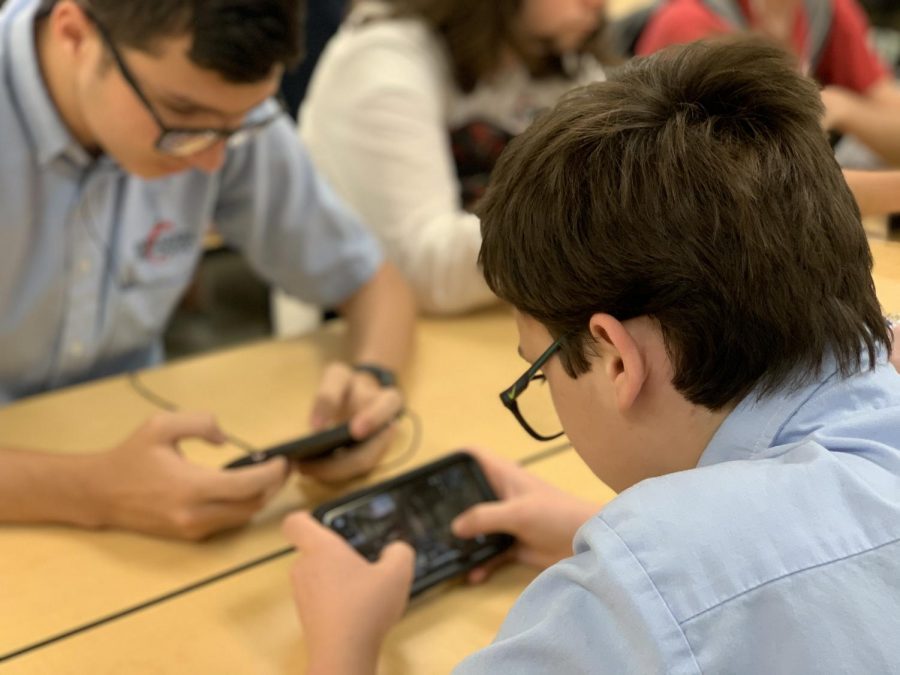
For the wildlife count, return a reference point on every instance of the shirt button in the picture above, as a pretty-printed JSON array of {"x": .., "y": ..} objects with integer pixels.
[
  {"x": 76, "y": 349},
  {"x": 84, "y": 266}
]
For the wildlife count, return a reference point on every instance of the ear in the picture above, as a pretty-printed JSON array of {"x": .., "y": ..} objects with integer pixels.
[
  {"x": 623, "y": 360},
  {"x": 70, "y": 27}
]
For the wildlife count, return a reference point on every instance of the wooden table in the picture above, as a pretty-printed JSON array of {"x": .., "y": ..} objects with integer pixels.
[
  {"x": 54, "y": 580},
  {"x": 887, "y": 274},
  {"x": 57, "y": 579}
]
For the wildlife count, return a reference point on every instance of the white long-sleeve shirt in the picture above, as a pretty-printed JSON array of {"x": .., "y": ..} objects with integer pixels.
[{"x": 378, "y": 119}]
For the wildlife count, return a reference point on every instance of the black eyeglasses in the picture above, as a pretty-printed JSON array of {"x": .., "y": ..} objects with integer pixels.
[
  {"x": 186, "y": 142},
  {"x": 528, "y": 399}
]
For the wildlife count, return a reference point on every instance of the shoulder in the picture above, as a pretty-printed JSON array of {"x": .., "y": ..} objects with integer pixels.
[
  {"x": 599, "y": 601},
  {"x": 679, "y": 21},
  {"x": 740, "y": 524},
  {"x": 386, "y": 46}
]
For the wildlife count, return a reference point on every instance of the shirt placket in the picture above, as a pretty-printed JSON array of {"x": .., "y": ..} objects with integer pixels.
[{"x": 87, "y": 259}]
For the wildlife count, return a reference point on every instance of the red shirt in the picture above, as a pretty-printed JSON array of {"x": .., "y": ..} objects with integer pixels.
[{"x": 846, "y": 61}]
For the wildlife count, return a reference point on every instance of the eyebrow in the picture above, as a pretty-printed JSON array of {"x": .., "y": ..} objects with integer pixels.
[{"x": 174, "y": 101}]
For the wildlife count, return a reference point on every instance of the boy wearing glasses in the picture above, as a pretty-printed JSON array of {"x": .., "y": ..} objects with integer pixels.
[
  {"x": 692, "y": 281},
  {"x": 128, "y": 127}
]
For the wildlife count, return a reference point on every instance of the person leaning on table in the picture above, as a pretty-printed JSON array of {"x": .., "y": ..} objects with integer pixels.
[
  {"x": 127, "y": 128},
  {"x": 706, "y": 322}
]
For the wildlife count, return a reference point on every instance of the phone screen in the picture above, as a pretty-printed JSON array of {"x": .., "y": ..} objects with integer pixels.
[{"x": 418, "y": 508}]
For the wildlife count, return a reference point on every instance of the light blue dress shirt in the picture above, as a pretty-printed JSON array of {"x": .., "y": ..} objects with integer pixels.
[
  {"x": 93, "y": 260},
  {"x": 779, "y": 553}
]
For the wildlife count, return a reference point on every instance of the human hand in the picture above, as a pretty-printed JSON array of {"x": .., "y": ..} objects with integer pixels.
[
  {"x": 346, "y": 604},
  {"x": 543, "y": 518},
  {"x": 345, "y": 394},
  {"x": 838, "y": 102},
  {"x": 145, "y": 484}
]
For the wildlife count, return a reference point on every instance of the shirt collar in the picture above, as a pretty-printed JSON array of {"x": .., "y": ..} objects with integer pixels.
[
  {"x": 40, "y": 118},
  {"x": 753, "y": 426}
]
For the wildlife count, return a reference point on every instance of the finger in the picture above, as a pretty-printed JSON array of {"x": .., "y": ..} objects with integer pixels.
[
  {"x": 496, "y": 469},
  {"x": 398, "y": 560},
  {"x": 349, "y": 463},
  {"x": 255, "y": 481},
  {"x": 486, "y": 518},
  {"x": 333, "y": 390},
  {"x": 170, "y": 427},
  {"x": 204, "y": 520},
  {"x": 376, "y": 413},
  {"x": 308, "y": 534},
  {"x": 483, "y": 572}
]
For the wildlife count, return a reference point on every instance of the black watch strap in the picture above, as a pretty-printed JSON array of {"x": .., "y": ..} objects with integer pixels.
[{"x": 385, "y": 377}]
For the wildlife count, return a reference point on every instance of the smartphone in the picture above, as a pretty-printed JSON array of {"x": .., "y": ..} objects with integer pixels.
[
  {"x": 314, "y": 446},
  {"x": 418, "y": 508}
]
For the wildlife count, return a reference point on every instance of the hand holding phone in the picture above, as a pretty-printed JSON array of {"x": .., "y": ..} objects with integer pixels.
[{"x": 418, "y": 507}]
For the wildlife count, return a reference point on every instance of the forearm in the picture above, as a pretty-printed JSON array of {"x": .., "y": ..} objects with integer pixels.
[
  {"x": 39, "y": 487},
  {"x": 351, "y": 658},
  {"x": 381, "y": 317},
  {"x": 875, "y": 124},
  {"x": 876, "y": 192}
]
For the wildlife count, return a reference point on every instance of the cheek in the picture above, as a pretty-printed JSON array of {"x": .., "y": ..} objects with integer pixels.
[
  {"x": 594, "y": 428},
  {"x": 118, "y": 121},
  {"x": 577, "y": 408},
  {"x": 542, "y": 17}
]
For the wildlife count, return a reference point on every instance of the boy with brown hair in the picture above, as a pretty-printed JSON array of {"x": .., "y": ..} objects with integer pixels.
[{"x": 692, "y": 282}]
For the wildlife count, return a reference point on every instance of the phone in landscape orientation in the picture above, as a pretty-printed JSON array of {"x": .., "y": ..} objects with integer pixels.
[
  {"x": 314, "y": 446},
  {"x": 418, "y": 508}
]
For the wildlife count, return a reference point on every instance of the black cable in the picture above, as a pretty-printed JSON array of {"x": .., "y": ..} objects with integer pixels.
[
  {"x": 154, "y": 398},
  {"x": 165, "y": 404},
  {"x": 411, "y": 449},
  {"x": 545, "y": 453},
  {"x": 134, "y": 379},
  {"x": 280, "y": 553}
]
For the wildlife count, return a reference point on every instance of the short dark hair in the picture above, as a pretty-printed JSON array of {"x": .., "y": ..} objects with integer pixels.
[
  {"x": 243, "y": 40},
  {"x": 476, "y": 33},
  {"x": 695, "y": 187}
]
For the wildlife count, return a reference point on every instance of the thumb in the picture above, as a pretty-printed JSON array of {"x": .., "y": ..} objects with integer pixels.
[
  {"x": 398, "y": 560},
  {"x": 171, "y": 427},
  {"x": 485, "y": 518}
]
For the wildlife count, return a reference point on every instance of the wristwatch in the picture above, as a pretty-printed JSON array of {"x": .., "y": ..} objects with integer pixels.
[{"x": 385, "y": 377}]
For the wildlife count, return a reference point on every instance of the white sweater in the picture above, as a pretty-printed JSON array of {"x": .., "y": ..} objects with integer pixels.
[{"x": 377, "y": 119}]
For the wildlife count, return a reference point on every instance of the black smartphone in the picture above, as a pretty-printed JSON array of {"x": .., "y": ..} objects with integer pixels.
[
  {"x": 314, "y": 446},
  {"x": 418, "y": 508}
]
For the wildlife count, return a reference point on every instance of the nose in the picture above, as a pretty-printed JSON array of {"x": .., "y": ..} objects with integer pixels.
[{"x": 209, "y": 160}]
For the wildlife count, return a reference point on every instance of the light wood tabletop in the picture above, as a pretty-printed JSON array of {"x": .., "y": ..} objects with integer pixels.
[
  {"x": 160, "y": 606},
  {"x": 887, "y": 274},
  {"x": 66, "y": 579}
]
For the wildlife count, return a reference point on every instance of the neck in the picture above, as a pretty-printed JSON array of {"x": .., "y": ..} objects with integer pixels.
[{"x": 59, "y": 78}]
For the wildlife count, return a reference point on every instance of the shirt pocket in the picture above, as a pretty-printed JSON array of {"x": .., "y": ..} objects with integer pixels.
[{"x": 149, "y": 289}]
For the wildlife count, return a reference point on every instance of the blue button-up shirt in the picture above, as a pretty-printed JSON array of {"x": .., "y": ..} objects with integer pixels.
[
  {"x": 779, "y": 553},
  {"x": 93, "y": 260}
]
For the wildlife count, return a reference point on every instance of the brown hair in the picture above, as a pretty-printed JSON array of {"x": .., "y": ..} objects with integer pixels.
[
  {"x": 696, "y": 187},
  {"x": 240, "y": 39},
  {"x": 477, "y": 31}
]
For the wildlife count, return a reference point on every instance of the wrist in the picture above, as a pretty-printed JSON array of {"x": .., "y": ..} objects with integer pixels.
[
  {"x": 353, "y": 656},
  {"x": 93, "y": 476},
  {"x": 382, "y": 376}
]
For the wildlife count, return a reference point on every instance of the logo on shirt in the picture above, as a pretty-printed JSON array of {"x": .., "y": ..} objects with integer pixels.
[{"x": 163, "y": 242}]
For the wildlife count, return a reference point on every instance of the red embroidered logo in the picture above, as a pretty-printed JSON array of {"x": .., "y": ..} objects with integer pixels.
[{"x": 164, "y": 242}]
